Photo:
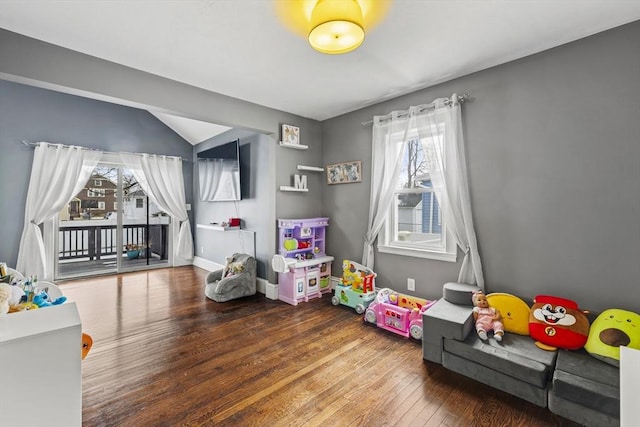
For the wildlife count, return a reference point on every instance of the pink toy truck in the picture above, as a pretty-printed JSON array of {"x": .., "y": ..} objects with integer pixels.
[{"x": 398, "y": 313}]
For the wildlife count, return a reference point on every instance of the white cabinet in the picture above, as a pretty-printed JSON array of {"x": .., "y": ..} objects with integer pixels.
[{"x": 40, "y": 355}]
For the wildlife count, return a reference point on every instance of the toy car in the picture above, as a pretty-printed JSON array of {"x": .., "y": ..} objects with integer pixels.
[
  {"x": 357, "y": 287},
  {"x": 398, "y": 313},
  {"x": 346, "y": 295}
]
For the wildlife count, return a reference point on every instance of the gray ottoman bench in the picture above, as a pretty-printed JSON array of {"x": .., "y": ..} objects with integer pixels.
[
  {"x": 585, "y": 390},
  {"x": 514, "y": 365},
  {"x": 572, "y": 384}
]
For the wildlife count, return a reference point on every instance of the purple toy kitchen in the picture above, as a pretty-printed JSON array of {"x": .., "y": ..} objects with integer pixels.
[{"x": 303, "y": 267}]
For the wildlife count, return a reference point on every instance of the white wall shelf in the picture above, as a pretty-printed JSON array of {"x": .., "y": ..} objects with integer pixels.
[
  {"x": 310, "y": 168},
  {"x": 295, "y": 146},
  {"x": 288, "y": 188},
  {"x": 216, "y": 227}
]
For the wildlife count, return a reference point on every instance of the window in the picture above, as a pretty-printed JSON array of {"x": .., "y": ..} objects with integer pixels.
[
  {"x": 101, "y": 206},
  {"x": 96, "y": 192},
  {"x": 414, "y": 225},
  {"x": 97, "y": 183},
  {"x": 139, "y": 203}
]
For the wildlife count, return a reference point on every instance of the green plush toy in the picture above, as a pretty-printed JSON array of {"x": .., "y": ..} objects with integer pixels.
[{"x": 611, "y": 329}]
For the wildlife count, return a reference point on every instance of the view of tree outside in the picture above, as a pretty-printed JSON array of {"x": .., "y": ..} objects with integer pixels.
[
  {"x": 414, "y": 165},
  {"x": 417, "y": 213}
]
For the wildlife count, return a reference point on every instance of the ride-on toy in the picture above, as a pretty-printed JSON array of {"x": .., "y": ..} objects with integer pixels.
[
  {"x": 398, "y": 313},
  {"x": 357, "y": 287}
]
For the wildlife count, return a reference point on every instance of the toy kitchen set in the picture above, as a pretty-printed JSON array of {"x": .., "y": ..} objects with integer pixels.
[{"x": 303, "y": 267}]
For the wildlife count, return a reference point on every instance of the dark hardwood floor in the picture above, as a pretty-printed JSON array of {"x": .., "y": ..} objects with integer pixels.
[{"x": 164, "y": 355}]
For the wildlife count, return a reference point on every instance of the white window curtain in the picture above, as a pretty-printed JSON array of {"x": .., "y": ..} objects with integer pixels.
[
  {"x": 161, "y": 179},
  {"x": 219, "y": 179},
  {"x": 58, "y": 173},
  {"x": 390, "y": 136},
  {"x": 440, "y": 129}
]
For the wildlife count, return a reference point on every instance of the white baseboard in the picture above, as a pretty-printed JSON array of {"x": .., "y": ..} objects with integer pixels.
[
  {"x": 268, "y": 289},
  {"x": 206, "y": 264}
]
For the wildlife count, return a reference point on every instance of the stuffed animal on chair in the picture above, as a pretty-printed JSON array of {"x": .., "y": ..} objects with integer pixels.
[{"x": 236, "y": 280}]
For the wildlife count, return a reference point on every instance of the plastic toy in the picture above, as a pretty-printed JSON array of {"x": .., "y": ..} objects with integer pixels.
[
  {"x": 611, "y": 329},
  {"x": 556, "y": 322},
  {"x": 398, "y": 313},
  {"x": 303, "y": 267},
  {"x": 357, "y": 288},
  {"x": 87, "y": 343},
  {"x": 486, "y": 318},
  {"x": 42, "y": 300}
]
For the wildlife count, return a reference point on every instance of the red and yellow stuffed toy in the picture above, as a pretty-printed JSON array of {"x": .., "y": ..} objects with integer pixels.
[{"x": 556, "y": 322}]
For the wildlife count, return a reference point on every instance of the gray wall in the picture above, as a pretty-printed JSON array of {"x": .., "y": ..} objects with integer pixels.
[
  {"x": 553, "y": 146},
  {"x": 33, "y": 114}
]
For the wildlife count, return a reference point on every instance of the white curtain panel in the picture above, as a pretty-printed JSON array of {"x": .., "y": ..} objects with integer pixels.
[
  {"x": 440, "y": 130},
  {"x": 58, "y": 173},
  {"x": 161, "y": 179},
  {"x": 208, "y": 176},
  {"x": 389, "y": 139},
  {"x": 219, "y": 179}
]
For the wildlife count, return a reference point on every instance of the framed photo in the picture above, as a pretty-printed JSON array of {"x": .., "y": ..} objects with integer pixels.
[
  {"x": 290, "y": 135},
  {"x": 344, "y": 173}
]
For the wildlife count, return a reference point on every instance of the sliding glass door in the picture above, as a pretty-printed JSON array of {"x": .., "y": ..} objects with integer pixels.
[
  {"x": 145, "y": 227},
  {"x": 110, "y": 226}
]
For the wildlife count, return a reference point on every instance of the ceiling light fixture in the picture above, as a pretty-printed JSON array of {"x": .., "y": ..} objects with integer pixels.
[{"x": 336, "y": 26}]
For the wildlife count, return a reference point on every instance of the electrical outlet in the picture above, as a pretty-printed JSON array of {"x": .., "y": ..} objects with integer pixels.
[{"x": 411, "y": 284}]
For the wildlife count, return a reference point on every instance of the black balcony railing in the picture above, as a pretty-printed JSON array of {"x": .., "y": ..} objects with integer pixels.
[{"x": 96, "y": 241}]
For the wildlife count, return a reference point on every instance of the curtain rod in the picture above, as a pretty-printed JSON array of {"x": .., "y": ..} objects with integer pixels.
[
  {"x": 35, "y": 144},
  {"x": 461, "y": 99}
]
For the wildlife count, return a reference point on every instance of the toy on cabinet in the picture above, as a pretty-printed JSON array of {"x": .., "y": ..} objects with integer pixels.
[
  {"x": 303, "y": 267},
  {"x": 398, "y": 313},
  {"x": 357, "y": 287}
]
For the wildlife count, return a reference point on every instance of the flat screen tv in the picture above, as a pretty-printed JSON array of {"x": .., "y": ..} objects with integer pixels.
[{"x": 219, "y": 173}]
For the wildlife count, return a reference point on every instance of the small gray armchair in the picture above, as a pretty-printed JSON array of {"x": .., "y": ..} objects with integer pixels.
[{"x": 236, "y": 280}]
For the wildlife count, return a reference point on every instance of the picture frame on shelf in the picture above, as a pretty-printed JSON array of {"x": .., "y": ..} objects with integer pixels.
[
  {"x": 344, "y": 173},
  {"x": 290, "y": 135}
]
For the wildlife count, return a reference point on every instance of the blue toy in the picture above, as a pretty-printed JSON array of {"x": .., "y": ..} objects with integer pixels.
[{"x": 42, "y": 300}]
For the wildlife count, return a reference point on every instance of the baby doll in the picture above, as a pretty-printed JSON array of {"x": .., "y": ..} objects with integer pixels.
[{"x": 486, "y": 318}]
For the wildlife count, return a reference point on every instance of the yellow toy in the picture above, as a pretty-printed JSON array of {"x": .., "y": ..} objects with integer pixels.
[
  {"x": 514, "y": 311},
  {"x": 359, "y": 277}
]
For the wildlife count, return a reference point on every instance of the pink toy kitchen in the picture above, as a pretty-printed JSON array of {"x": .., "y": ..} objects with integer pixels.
[{"x": 303, "y": 267}]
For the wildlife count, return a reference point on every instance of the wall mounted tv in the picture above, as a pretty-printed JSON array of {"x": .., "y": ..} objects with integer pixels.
[{"x": 219, "y": 173}]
